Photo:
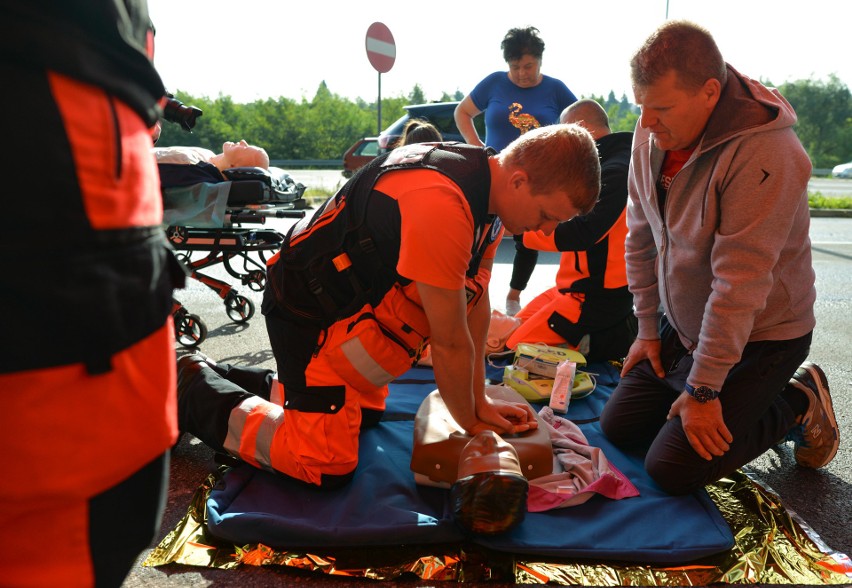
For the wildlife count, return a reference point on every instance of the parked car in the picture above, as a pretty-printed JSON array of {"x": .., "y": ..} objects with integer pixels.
[
  {"x": 844, "y": 170},
  {"x": 360, "y": 154},
  {"x": 439, "y": 114}
]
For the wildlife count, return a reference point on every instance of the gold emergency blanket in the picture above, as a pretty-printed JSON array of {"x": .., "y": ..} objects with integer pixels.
[{"x": 772, "y": 546}]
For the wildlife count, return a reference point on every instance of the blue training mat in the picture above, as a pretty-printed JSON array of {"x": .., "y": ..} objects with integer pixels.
[{"x": 384, "y": 507}]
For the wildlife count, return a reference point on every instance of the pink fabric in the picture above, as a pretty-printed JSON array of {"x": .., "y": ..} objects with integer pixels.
[{"x": 581, "y": 471}]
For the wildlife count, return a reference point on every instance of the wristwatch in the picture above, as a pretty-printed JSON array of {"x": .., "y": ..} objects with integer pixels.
[{"x": 702, "y": 394}]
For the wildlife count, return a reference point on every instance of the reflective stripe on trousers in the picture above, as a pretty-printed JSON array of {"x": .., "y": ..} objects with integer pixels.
[
  {"x": 251, "y": 429},
  {"x": 367, "y": 367}
]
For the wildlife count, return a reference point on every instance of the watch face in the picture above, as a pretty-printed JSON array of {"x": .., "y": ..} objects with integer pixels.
[{"x": 704, "y": 394}]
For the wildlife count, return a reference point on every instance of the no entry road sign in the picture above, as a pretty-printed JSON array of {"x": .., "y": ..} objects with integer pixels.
[{"x": 381, "y": 50}]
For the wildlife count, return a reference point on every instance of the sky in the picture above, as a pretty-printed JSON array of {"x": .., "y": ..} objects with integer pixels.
[{"x": 258, "y": 49}]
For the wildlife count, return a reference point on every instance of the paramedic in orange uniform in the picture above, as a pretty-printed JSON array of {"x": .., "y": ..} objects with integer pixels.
[
  {"x": 590, "y": 307},
  {"x": 87, "y": 363},
  {"x": 431, "y": 224}
]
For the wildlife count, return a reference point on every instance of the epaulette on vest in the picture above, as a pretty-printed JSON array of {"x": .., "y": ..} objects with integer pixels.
[{"x": 315, "y": 277}]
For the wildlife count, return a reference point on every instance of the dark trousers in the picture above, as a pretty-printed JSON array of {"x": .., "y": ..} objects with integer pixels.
[
  {"x": 634, "y": 418},
  {"x": 523, "y": 264},
  {"x": 206, "y": 404},
  {"x": 125, "y": 519}
]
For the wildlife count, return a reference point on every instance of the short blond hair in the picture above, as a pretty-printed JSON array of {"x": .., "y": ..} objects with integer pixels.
[{"x": 561, "y": 157}]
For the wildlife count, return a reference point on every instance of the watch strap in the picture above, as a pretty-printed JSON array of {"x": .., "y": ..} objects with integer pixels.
[{"x": 701, "y": 393}]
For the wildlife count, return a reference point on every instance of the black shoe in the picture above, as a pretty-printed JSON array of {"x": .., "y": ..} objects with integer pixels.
[
  {"x": 226, "y": 459},
  {"x": 188, "y": 367}
]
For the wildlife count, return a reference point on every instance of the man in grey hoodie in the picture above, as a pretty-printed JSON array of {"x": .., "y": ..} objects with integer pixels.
[{"x": 719, "y": 264}]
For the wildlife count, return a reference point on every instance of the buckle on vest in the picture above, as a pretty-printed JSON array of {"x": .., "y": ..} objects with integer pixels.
[
  {"x": 314, "y": 286},
  {"x": 367, "y": 245}
]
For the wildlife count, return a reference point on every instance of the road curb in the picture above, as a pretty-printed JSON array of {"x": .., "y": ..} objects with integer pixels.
[{"x": 832, "y": 212}]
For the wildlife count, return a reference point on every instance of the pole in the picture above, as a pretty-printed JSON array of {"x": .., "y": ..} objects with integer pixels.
[{"x": 379, "y": 132}]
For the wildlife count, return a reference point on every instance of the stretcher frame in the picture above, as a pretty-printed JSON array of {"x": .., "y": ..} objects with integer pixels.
[{"x": 225, "y": 223}]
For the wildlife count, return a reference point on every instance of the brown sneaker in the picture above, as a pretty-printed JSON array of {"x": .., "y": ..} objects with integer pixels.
[{"x": 817, "y": 436}]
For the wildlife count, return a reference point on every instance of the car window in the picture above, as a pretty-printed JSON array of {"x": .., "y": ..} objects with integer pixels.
[
  {"x": 444, "y": 122},
  {"x": 439, "y": 114},
  {"x": 368, "y": 149}
]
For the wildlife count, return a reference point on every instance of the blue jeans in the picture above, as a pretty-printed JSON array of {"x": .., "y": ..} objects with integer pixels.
[{"x": 634, "y": 418}]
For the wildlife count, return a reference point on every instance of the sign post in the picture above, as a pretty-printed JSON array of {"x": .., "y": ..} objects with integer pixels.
[{"x": 381, "y": 51}]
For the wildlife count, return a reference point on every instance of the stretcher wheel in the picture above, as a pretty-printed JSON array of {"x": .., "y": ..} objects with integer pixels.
[
  {"x": 239, "y": 308},
  {"x": 190, "y": 330},
  {"x": 255, "y": 280},
  {"x": 177, "y": 235}
]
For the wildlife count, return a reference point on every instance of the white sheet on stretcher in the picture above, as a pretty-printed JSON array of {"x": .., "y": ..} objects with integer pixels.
[{"x": 200, "y": 205}]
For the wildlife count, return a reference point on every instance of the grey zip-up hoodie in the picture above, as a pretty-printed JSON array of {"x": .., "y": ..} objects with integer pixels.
[{"x": 731, "y": 263}]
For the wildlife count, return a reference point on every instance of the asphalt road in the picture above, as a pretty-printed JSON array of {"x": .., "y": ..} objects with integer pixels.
[{"x": 822, "y": 498}]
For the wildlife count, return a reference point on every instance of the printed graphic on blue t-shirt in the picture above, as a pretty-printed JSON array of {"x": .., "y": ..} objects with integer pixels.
[{"x": 511, "y": 110}]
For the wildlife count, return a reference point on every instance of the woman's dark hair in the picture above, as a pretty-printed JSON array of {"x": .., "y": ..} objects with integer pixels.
[
  {"x": 418, "y": 130},
  {"x": 520, "y": 42}
]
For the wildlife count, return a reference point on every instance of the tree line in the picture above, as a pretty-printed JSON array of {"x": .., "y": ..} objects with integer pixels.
[{"x": 327, "y": 124}]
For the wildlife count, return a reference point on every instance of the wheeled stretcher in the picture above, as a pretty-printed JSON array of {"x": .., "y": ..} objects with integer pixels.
[{"x": 213, "y": 222}]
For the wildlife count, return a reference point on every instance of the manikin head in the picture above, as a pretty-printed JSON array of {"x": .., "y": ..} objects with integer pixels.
[
  {"x": 240, "y": 154},
  {"x": 490, "y": 495}
]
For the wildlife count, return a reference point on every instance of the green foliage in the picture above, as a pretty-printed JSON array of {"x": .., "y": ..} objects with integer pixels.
[
  {"x": 622, "y": 114},
  {"x": 416, "y": 96},
  {"x": 824, "y": 109},
  {"x": 327, "y": 124},
  {"x": 322, "y": 128},
  {"x": 817, "y": 200}
]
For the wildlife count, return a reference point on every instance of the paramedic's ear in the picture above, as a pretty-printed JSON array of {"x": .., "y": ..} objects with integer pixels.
[{"x": 155, "y": 132}]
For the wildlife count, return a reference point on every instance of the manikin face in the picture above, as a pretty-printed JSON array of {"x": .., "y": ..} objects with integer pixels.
[
  {"x": 488, "y": 452},
  {"x": 526, "y": 71},
  {"x": 676, "y": 117},
  {"x": 244, "y": 155}
]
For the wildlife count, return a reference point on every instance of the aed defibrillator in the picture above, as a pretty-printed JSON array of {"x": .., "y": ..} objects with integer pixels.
[{"x": 533, "y": 371}]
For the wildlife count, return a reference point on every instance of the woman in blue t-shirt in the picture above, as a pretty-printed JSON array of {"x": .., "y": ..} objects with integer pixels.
[{"x": 514, "y": 102}]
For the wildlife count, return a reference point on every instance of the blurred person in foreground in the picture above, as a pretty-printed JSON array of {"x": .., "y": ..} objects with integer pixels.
[
  {"x": 400, "y": 258},
  {"x": 87, "y": 369},
  {"x": 514, "y": 102},
  {"x": 718, "y": 240}
]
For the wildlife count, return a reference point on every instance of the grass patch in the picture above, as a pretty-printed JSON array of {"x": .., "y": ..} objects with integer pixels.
[
  {"x": 817, "y": 200},
  {"x": 316, "y": 196}
]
